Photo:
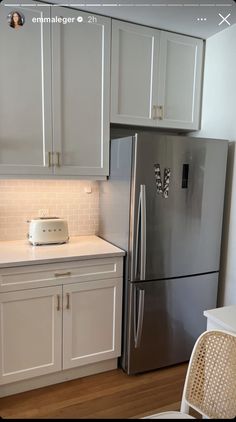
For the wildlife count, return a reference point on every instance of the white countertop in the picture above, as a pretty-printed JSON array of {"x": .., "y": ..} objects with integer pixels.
[
  {"x": 21, "y": 252},
  {"x": 224, "y": 316}
]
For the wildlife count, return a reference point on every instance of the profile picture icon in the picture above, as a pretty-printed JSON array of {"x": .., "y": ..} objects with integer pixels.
[{"x": 16, "y": 19}]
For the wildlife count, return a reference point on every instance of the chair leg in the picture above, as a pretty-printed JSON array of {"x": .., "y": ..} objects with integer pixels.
[{"x": 184, "y": 407}]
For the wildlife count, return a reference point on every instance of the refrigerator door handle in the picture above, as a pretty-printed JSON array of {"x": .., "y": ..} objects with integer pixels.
[
  {"x": 141, "y": 235},
  {"x": 143, "y": 232},
  {"x": 137, "y": 239},
  {"x": 138, "y": 326}
]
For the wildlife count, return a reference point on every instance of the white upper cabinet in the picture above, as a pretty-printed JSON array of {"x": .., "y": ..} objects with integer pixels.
[
  {"x": 81, "y": 91},
  {"x": 179, "y": 85},
  {"x": 55, "y": 87},
  {"x": 134, "y": 54},
  {"x": 25, "y": 93},
  {"x": 156, "y": 77},
  {"x": 54, "y": 93}
]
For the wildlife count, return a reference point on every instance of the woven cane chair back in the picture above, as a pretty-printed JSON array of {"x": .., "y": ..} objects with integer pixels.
[{"x": 211, "y": 380}]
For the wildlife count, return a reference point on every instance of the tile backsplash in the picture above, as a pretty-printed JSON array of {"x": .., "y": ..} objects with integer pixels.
[{"x": 21, "y": 200}]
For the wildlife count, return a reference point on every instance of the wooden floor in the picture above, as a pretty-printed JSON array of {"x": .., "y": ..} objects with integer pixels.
[{"x": 111, "y": 394}]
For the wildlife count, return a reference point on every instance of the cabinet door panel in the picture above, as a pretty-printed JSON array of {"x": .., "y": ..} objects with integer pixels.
[
  {"x": 91, "y": 322},
  {"x": 179, "y": 81},
  {"x": 81, "y": 85},
  {"x": 134, "y": 56},
  {"x": 25, "y": 87},
  {"x": 30, "y": 333}
]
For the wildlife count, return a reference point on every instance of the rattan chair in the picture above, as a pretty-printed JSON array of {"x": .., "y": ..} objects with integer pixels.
[{"x": 210, "y": 384}]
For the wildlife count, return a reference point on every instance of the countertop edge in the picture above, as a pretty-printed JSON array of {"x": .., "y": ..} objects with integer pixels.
[
  {"x": 61, "y": 259},
  {"x": 218, "y": 320}
]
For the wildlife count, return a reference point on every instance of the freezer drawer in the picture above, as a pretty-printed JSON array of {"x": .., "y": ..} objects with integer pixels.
[{"x": 165, "y": 319}]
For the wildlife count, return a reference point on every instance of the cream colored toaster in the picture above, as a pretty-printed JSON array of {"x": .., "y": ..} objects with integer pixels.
[{"x": 48, "y": 230}]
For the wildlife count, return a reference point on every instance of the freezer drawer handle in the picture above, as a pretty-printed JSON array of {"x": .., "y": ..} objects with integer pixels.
[{"x": 138, "y": 327}]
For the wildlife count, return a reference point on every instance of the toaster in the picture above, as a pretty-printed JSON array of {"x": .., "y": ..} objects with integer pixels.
[{"x": 48, "y": 230}]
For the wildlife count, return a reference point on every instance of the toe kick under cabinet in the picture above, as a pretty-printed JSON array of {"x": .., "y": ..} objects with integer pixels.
[{"x": 58, "y": 316}]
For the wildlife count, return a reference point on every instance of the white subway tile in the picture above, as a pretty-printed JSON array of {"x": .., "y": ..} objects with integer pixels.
[{"x": 21, "y": 200}]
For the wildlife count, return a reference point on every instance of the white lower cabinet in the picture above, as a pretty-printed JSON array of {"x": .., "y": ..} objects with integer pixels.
[
  {"x": 72, "y": 324},
  {"x": 91, "y": 322},
  {"x": 30, "y": 333}
]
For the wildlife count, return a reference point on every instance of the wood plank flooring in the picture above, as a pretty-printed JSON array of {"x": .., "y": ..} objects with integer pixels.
[{"x": 111, "y": 394}]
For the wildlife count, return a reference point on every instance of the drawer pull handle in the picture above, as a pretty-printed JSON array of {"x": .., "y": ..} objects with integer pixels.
[
  {"x": 68, "y": 273},
  {"x": 58, "y": 302},
  {"x": 67, "y": 300}
]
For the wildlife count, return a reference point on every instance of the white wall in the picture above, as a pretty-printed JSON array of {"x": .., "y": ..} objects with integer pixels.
[{"x": 219, "y": 121}]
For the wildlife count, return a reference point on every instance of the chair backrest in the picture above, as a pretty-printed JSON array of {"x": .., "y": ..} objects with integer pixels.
[{"x": 210, "y": 385}]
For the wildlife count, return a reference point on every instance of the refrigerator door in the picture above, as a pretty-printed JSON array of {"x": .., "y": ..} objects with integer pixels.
[
  {"x": 178, "y": 193},
  {"x": 165, "y": 319}
]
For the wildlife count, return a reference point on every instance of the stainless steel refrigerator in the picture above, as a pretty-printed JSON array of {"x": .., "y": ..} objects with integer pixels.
[{"x": 163, "y": 204}]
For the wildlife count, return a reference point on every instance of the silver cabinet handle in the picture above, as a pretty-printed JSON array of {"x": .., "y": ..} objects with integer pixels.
[
  {"x": 49, "y": 159},
  {"x": 154, "y": 112},
  {"x": 67, "y": 300},
  {"x": 138, "y": 326},
  {"x": 67, "y": 274},
  {"x": 58, "y": 302},
  {"x": 160, "y": 114},
  {"x": 58, "y": 159}
]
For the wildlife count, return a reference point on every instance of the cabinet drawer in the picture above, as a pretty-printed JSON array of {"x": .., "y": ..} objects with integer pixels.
[{"x": 40, "y": 275}]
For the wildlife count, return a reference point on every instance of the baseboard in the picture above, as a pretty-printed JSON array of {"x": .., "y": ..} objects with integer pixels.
[{"x": 57, "y": 377}]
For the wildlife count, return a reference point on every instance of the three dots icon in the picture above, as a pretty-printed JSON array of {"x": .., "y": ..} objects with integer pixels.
[{"x": 201, "y": 19}]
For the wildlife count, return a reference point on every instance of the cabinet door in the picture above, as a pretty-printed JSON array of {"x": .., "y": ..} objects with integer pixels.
[
  {"x": 25, "y": 92},
  {"x": 91, "y": 322},
  {"x": 179, "y": 81},
  {"x": 30, "y": 333},
  {"x": 81, "y": 85},
  {"x": 133, "y": 79}
]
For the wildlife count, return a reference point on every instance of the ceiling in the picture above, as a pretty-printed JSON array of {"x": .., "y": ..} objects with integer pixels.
[{"x": 192, "y": 17}]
